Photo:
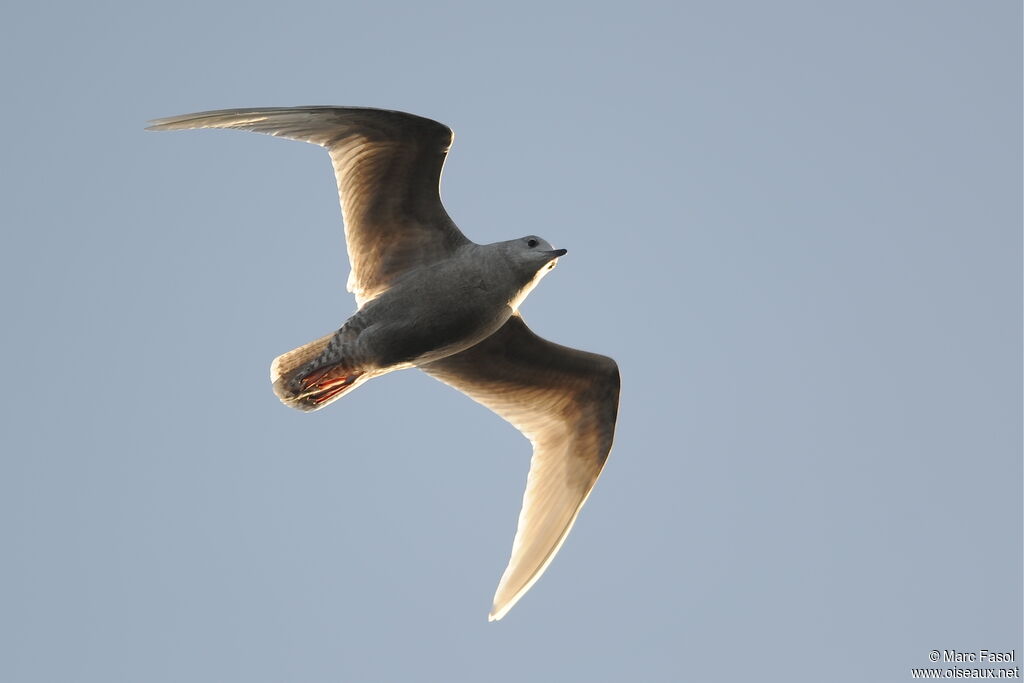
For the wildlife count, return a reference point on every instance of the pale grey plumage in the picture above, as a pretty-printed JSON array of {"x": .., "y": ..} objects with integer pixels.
[{"x": 430, "y": 298}]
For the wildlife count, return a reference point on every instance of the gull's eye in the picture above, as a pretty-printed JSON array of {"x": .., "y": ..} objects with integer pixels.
[{"x": 531, "y": 243}]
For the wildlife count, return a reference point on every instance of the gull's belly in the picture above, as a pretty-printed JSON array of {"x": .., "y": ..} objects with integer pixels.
[{"x": 420, "y": 323}]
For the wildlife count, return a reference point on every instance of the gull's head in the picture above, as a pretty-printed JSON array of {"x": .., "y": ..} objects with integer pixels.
[
  {"x": 532, "y": 258},
  {"x": 533, "y": 255}
]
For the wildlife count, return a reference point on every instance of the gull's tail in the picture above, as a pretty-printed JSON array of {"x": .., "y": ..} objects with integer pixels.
[{"x": 313, "y": 375}]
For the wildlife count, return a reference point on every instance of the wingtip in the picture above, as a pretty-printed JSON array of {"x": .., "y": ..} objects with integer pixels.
[
  {"x": 498, "y": 612},
  {"x": 185, "y": 121},
  {"x": 160, "y": 124},
  {"x": 171, "y": 122}
]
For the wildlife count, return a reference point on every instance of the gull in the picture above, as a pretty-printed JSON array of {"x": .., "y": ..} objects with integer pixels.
[{"x": 430, "y": 298}]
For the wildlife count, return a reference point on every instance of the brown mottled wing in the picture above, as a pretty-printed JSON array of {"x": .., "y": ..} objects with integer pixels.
[
  {"x": 388, "y": 167},
  {"x": 565, "y": 402}
]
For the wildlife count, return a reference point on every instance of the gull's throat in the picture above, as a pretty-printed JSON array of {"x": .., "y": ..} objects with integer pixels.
[{"x": 521, "y": 295}]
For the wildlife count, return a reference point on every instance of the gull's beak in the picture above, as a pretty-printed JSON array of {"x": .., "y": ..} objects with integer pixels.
[{"x": 558, "y": 252}]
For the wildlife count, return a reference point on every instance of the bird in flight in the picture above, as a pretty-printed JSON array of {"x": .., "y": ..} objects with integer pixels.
[{"x": 430, "y": 298}]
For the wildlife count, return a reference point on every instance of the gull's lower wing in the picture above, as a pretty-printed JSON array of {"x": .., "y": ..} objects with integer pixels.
[
  {"x": 388, "y": 167},
  {"x": 565, "y": 401}
]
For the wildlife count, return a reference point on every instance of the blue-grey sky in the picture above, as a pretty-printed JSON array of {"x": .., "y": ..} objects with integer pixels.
[{"x": 796, "y": 226}]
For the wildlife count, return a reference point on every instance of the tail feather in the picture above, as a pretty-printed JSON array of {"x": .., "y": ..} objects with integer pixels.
[
  {"x": 305, "y": 380},
  {"x": 287, "y": 363}
]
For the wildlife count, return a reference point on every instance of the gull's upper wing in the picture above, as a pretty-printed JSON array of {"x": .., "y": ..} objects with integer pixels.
[
  {"x": 565, "y": 402},
  {"x": 388, "y": 167}
]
